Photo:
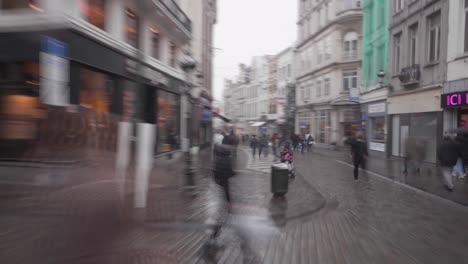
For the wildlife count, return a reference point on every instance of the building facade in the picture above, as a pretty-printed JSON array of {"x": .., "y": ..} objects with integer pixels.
[
  {"x": 120, "y": 58},
  {"x": 203, "y": 14},
  {"x": 454, "y": 99},
  {"x": 327, "y": 69},
  {"x": 374, "y": 85},
  {"x": 417, "y": 71}
]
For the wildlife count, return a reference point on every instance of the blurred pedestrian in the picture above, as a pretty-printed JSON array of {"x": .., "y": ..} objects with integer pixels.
[
  {"x": 359, "y": 153},
  {"x": 274, "y": 144},
  {"x": 415, "y": 152},
  {"x": 253, "y": 144},
  {"x": 448, "y": 154},
  {"x": 263, "y": 146},
  {"x": 460, "y": 168},
  {"x": 310, "y": 143}
]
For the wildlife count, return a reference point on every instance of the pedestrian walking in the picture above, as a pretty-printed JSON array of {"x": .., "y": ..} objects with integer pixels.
[
  {"x": 274, "y": 144},
  {"x": 253, "y": 145},
  {"x": 263, "y": 146},
  {"x": 359, "y": 153},
  {"x": 310, "y": 143},
  {"x": 448, "y": 153},
  {"x": 460, "y": 168}
]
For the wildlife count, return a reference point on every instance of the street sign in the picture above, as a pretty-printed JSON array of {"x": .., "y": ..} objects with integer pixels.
[{"x": 55, "y": 72}]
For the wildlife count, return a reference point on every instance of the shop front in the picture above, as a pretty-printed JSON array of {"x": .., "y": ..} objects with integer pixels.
[
  {"x": 455, "y": 105},
  {"x": 374, "y": 126},
  {"x": 100, "y": 86},
  {"x": 416, "y": 119}
]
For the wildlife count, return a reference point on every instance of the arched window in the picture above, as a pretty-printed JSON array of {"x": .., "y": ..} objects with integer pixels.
[{"x": 350, "y": 45}]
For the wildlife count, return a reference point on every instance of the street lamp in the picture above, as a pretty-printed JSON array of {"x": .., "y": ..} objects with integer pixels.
[
  {"x": 381, "y": 76},
  {"x": 188, "y": 64}
]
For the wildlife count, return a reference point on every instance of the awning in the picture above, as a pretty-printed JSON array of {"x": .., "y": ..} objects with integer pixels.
[{"x": 257, "y": 124}]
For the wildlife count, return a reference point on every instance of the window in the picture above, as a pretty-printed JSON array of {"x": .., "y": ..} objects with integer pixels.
[
  {"x": 434, "y": 37},
  {"x": 156, "y": 43},
  {"x": 350, "y": 45},
  {"x": 327, "y": 49},
  {"x": 302, "y": 92},
  {"x": 172, "y": 54},
  {"x": 94, "y": 12},
  {"x": 399, "y": 4},
  {"x": 326, "y": 12},
  {"x": 307, "y": 91},
  {"x": 397, "y": 51},
  {"x": 349, "y": 80},
  {"x": 289, "y": 70},
  {"x": 326, "y": 91},
  {"x": 413, "y": 42},
  {"x": 132, "y": 27},
  {"x": 466, "y": 26},
  {"x": 168, "y": 121},
  {"x": 319, "y": 88}
]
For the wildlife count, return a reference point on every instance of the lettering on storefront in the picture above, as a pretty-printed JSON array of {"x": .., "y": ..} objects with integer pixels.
[
  {"x": 377, "y": 108},
  {"x": 454, "y": 100}
]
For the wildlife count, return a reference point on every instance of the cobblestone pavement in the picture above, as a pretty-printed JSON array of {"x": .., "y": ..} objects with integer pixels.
[
  {"x": 370, "y": 221},
  {"x": 326, "y": 217}
]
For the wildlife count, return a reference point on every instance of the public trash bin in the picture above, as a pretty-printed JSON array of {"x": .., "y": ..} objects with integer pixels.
[{"x": 279, "y": 179}]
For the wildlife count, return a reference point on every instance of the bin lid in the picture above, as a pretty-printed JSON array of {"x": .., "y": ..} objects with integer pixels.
[{"x": 280, "y": 166}]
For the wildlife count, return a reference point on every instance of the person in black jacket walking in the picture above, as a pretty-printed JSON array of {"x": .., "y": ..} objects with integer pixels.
[
  {"x": 448, "y": 154},
  {"x": 358, "y": 152}
]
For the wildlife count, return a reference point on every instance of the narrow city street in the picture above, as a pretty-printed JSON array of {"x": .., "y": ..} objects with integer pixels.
[{"x": 326, "y": 217}]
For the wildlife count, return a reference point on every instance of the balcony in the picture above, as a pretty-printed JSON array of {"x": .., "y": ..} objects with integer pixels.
[
  {"x": 410, "y": 75},
  {"x": 351, "y": 55},
  {"x": 179, "y": 15}
]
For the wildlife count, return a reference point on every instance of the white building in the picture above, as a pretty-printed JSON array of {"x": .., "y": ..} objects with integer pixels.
[
  {"x": 456, "y": 86},
  {"x": 286, "y": 78},
  {"x": 203, "y": 14},
  {"x": 327, "y": 64}
]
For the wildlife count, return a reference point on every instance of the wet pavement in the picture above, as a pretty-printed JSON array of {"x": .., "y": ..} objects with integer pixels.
[{"x": 326, "y": 217}]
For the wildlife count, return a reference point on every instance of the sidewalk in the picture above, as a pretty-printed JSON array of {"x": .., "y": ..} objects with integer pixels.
[{"x": 428, "y": 180}]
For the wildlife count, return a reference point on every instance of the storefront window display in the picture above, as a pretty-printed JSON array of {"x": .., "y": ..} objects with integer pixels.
[
  {"x": 323, "y": 127},
  {"x": 304, "y": 123},
  {"x": 378, "y": 128},
  {"x": 168, "y": 121},
  {"x": 96, "y": 90}
]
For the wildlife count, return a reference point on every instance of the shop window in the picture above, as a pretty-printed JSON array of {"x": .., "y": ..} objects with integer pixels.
[
  {"x": 132, "y": 27},
  {"x": 95, "y": 91},
  {"x": 168, "y": 121},
  {"x": 20, "y": 4},
  {"x": 377, "y": 132},
  {"x": 94, "y": 12}
]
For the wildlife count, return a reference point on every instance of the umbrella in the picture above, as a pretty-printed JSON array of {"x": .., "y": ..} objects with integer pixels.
[{"x": 460, "y": 130}]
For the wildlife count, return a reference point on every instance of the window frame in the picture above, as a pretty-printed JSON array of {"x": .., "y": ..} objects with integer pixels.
[
  {"x": 155, "y": 52},
  {"x": 433, "y": 52},
  {"x": 326, "y": 87},
  {"x": 397, "y": 51},
  {"x": 413, "y": 31},
  {"x": 348, "y": 77},
  {"x": 465, "y": 12},
  {"x": 319, "y": 88}
]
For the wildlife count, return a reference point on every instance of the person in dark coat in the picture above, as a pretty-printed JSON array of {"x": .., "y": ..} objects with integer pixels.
[
  {"x": 254, "y": 145},
  {"x": 448, "y": 153},
  {"x": 223, "y": 168},
  {"x": 358, "y": 152},
  {"x": 310, "y": 142}
]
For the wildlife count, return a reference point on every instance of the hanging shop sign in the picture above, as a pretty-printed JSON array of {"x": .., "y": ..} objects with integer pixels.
[
  {"x": 55, "y": 72},
  {"x": 454, "y": 100}
]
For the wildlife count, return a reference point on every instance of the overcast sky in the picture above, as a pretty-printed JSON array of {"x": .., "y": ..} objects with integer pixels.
[{"x": 248, "y": 28}]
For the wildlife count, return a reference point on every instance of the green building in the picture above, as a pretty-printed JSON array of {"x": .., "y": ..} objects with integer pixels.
[{"x": 374, "y": 89}]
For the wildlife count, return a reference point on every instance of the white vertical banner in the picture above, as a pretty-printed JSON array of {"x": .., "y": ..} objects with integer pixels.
[{"x": 146, "y": 135}]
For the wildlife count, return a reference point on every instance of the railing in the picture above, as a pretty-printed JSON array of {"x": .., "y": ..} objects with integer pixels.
[
  {"x": 410, "y": 74},
  {"x": 177, "y": 13},
  {"x": 350, "y": 55}
]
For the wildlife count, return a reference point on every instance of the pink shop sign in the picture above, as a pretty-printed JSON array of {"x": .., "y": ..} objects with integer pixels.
[{"x": 454, "y": 100}]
